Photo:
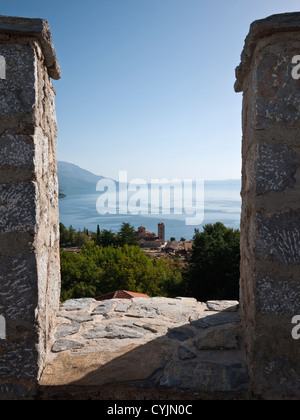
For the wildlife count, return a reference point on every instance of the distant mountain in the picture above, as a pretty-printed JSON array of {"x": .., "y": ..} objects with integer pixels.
[{"x": 75, "y": 180}]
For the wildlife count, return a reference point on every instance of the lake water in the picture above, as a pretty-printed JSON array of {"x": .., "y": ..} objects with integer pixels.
[{"x": 222, "y": 203}]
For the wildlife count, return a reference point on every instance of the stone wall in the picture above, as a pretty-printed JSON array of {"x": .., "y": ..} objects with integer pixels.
[
  {"x": 143, "y": 348},
  {"x": 29, "y": 232},
  {"x": 270, "y": 267}
]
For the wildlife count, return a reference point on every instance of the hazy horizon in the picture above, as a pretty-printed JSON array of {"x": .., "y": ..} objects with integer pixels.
[{"x": 103, "y": 175}]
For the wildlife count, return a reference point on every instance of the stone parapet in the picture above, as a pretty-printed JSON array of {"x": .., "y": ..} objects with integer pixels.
[
  {"x": 270, "y": 228},
  {"x": 175, "y": 348},
  {"x": 29, "y": 231},
  {"x": 14, "y": 27}
]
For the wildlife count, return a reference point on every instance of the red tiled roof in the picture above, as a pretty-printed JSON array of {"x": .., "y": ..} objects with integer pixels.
[
  {"x": 137, "y": 295},
  {"x": 121, "y": 294}
]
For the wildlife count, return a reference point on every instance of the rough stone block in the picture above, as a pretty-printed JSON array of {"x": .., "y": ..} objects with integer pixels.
[
  {"x": 278, "y": 296},
  {"x": 181, "y": 334},
  {"x": 279, "y": 237},
  {"x": 185, "y": 353},
  {"x": 223, "y": 305},
  {"x": 19, "y": 207},
  {"x": 206, "y": 376},
  {"x": 277, "y": 165},
  {"x": 226, "y": 338},
  {"x": 18, "y": 91},
  {"x": 18, "y": 293},
  {"x": 77, "y": 304},
  {"x": 213, "y": 319},
  {"x": 104, "y": 308},
  {"x": 66, "y": 330},
  {"x": 278, "y": 94},
  {"x": 63, "y": 345},
  {"x": 79, "y": 317},
  {"x": 16, "y": 151}
]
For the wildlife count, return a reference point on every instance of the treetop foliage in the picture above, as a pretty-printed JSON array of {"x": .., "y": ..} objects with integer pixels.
[{"x": 108, "y": 262}]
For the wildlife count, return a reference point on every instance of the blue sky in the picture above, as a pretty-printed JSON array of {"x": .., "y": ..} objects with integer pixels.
[{"x": 147, "y": 85}]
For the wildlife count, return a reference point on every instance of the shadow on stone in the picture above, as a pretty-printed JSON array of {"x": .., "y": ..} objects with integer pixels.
[{"x": 200, "y": 360}]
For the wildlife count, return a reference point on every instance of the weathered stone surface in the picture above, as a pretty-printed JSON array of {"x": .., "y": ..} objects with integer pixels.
[
  {"x": 66, "y": 330},
  {"x": 17, "y": 354},
  {"x": 16, "y": 287},
  {"x": 188, "y": 301},
  {"x": 283, "y": 293},
  {"x": 131, "y": 364},
  {"x": 29, "y": 225},
  {"x": 129, "y": 324},
  {"x": 37, "y": 28},
  {"x": 117, "y": 329},
  {"x": 185, "y": 353},
  {"x": 175, "y": 309},
  {"x": 77, "y": 304},
  {"x": 276, "y": 168},
  {"x": 149, "y": 352},
  {"x": 123, "y": 307},
  {"x": 18, "y": 207},
  {"x": 181, "y": 334},
  {"x": 176, "y": 312},
  {"x": 95, "y": 333},
  {"x": 270, "y": 226},
  {"x": 122, "y": 333},
  {"x": 223, "y": 305},
  {"x": 104, "y": 308},
  {"x": 263, "y": 28},
  {"x": 114, "y": 332},
  {"x": 63, "y": 345},
  {"x": 77, "y": 317},
  {"x": 19, "y": 86},
  {"x": 214, "y": 377},
  {"x": 206, "y": 321},
  {"x": 142, "y": 310},
  {"x": 220, "y": 339},
  {"x": 149, "y": 327},
  {"x": 16, "y": 151},
  {"x": 278, "y": 97},
  {"x": 279, "y": 237}
]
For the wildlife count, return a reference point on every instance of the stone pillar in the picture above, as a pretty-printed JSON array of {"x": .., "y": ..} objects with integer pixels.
[
  {"x": 29, "y": 231},
  {"x": 270, "y": 268}
]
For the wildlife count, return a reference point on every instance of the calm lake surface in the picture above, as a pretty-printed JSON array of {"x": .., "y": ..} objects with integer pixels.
[{"x": 222, "y": 203}]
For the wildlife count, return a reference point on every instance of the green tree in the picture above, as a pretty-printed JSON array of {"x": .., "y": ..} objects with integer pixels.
[
  {"x": 81, "y": 239},
  {"x": 64, "y": 234},
  {"x": 108, "y": 238},
  {"x": 98, "y": 236},
  {"x": 214, "y": 269},
  {"x": 80, "y": 275},
  {"x": 69, "y": 237},
  {"x": 127, "y": 235},
  {"x": 72, "y": 236},
  {"x": 99, "y": 270}
]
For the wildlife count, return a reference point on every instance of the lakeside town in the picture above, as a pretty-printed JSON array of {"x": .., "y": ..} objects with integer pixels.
[
  {"x": 152, "y": 244},
  {"x": 157, "y": 246}
]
